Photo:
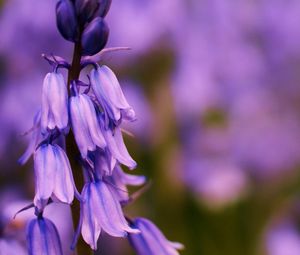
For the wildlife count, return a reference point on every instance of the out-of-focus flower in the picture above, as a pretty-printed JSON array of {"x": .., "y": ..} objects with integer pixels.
[
  {"x": 283, "y": 239},
  {"x": 217, "y": 182},
  {"x": 11, "y": 247},
  {"x": 151, "y": 241}
]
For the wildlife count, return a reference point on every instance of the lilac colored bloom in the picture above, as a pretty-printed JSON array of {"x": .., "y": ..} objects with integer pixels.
[
  {"x": 43, "y": 238},
  {"x": 102, "y": 210},
  {"x": 85, "y": 126},
  {"x": 53, "y": 174},
  {"x": 54, "y": 103},
  {"x": 109, "y": 94},
  {"x": 151, "y": 241}
]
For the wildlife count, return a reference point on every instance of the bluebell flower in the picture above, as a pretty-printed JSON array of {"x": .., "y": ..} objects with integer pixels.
[
  {"x": 102, "y": 210},
  {"x": 151, "y": 241},
  {"x": 53, "y": 175},
  {"x": 85, "y": 125},
  {"x": 116, "y": 145},
  {"x": 54, "y": 103},
  {"x": 109, "y": 94},
  {"x": 43, "y": 238}
]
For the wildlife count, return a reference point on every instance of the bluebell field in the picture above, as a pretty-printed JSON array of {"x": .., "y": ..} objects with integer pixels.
[{"x": 186, "y": 143}]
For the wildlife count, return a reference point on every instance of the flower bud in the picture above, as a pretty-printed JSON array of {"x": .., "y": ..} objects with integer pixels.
[
  {"x": 104, "y": 6},
  {"x": 86, "y": 9},
  {"x": 66, "y": 20},
  {"x": 94, "y": 37}
]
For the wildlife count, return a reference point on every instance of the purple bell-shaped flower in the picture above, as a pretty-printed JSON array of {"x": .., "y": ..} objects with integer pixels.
[
  {"x": 102, "y": 210},
  {"x": 54, "y": 112},
  {"x": 86, "y": 129},
  {"x": 109, "y": 94}
]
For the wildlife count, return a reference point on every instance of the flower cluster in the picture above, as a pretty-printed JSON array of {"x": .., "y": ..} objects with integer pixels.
[{"x": 93, "y": 112}]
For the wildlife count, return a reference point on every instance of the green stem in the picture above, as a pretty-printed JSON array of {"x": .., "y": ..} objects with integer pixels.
[{"x": 82, "y": 248}]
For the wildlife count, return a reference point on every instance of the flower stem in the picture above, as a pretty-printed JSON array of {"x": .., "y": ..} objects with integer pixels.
[{"x": 82, "y": 248}]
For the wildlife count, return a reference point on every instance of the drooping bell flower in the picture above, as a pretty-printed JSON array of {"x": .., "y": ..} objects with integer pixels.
[
  {"x": 101, "y": 210},
  {"x": 43, "y": 237},
  {"x": 151, "y": 241},
  {"x": 85, "y": 125},
  {"x": 53, "y": 175},
  {"x": 54, "y": 112},
  {"x": 109, "y": 94}
]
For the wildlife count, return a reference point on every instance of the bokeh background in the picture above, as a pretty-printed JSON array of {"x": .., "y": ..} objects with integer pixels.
[{"x": 216, "y": 88}]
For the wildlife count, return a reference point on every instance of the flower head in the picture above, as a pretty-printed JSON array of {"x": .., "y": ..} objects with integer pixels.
[{"x": 54, "y": 103}]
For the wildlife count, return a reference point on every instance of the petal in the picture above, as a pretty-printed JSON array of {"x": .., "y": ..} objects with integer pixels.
[
  {"x": 58, "y": 100},
  {"x": 64, "y": 184},
  {"x": 92, "y": 121},
  {"x": 35, "y": 138},
  {"x": 45, "y": 104},
  {"x": 128, "y": 179},
  {"x": 90, "y": 229},
  {"x": 45, "y": 168},
  {"x": 108, "y": 210},
  {"x": 117, "y": 147},
  {"x": 80, "y": 129}
]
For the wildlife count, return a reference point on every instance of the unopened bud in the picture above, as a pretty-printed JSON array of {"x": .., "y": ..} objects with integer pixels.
[
  {"x": 66, "y": 20},
  {"x": 94, "y": 37}
]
